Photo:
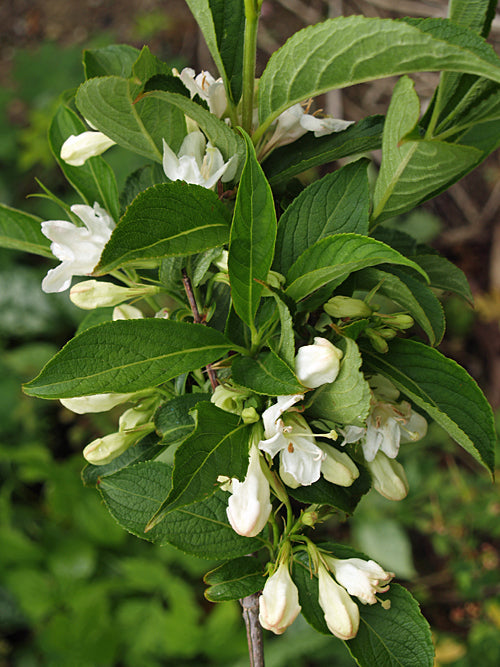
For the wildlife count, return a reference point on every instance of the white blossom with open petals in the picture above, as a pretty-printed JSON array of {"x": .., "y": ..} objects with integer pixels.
[
  {"x": 78, "y": 248},
  {"x": 290, "y": 435},
  {"x": 362, "y": 578},
  {"x": 77, "y": 149},
  {"x": 209, "y": 89},
  {"x": 198, "y": 162}
]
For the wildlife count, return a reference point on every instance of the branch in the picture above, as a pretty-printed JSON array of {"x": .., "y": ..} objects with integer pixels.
[{"x": 250, "y": 606}]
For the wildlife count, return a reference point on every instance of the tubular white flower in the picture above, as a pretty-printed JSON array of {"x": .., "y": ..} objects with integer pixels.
[
  {"x": 279, "y": 603},
  {"x": 317, "y": 364},
  {"x": 78, "y": 248},
  {"x": 387, "y": 424},
  {"x": 359, "y": 577},
  {"x": 341, "y": 612},
  {"x": 209, "y": 89},
  {"x": 198, "y": 162},
  {"x": 290, "y": 435},
  {"x": 77, "y": 149},
  {"x": 90, "y": 294},
  {"x": 249, "y": 505},
  {"x": 95, "y": 402},
  {"x": 103, "y": 450},
  {"x": 338, "y": 467},
  {"x": 389, "y": 477}
]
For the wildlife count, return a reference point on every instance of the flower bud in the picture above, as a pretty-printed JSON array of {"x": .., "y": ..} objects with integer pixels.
[
  {"x": 95, "y": 403},
  {"x": 398, "y": 320},
  {"x": 104, "y": 450},
  {"x": 78, "y": 148},
  {"x": 317, "y": 364},
  {"x": 229, "y": 399},
  {"x": 387, "y": 333},
  {"x": 250, "y": 415},
  {"x": 389, "y": 477},
  {"x": 346, "y": 306},
  {"x": 378, "y": 343},
  {"x": 127, "y": 312},
  {"x": 360, "y": 577},
  {"x": 279, "y": 603},
  {"x": 338, "y": 467},
  {"x": 341, "y": 612},
  {"x": 249, "y": 505},
  {"x": 90, "y": 294}
]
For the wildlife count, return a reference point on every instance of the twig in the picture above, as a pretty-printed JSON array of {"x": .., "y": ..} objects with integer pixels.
[
  {"x": 250, "y": 606},
  {"x": 197, "y": 318}
]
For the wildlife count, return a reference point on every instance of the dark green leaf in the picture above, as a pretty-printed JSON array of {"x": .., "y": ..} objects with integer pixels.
[
  {"x": 140, "y": 180},
  {"x": 234, "y": 580},
  {"x": 125, "y": 356},
  {"x": 444, "y": 390},
  {"x": 229, "y": 23},
  {"x": 22, "y": 231},
  {"x": 167, "y": 219},
  {"x": 444, "y": 275},
  {"x": 338, "y": 203},
  {"x": 133, "y": 495},
  {"x": 173, "y": 420},
  {"x": 266, "y": 374},
  {"x": 253, "y": 235},
  {"x": 116, "y": 59}
]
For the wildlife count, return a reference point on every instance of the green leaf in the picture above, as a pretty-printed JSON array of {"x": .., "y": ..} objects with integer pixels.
[
  {"x": 326, "y": 56},
  {"x": 347, "y": 400},
  {"x": 133, "y": 495},
  {"x": 393, "y": 637},
  {"x": 234, "y": 580},
  {"x": 444, "y": 390},
  {"x": 253, "y": 235},
  {"x": 218, "y": 133},
  {"x": 337, "y": 203},
  {"x": 167, "y": 219},
  {"x": 116, "y": 59},
  {"x": 22, "y": 231},
  {"x": 173, "y": 420},
  {"x": 284, "y": 346},
  {"x": 266, "y": 374},
  {"x": 125, "y": 356},
  {"x": 144, "y": 450},
  {"x": 139, "y": 180},
  {"x": 405, "y": 179},
  {"x": 344, "y": 498},
  {"x": 222, "y": 23},
  {"x": 444, "y": 275},
  {"x": 95, "y": 180},
  {"x": 138, "y": 125},
  {"x": 333, "y": 259},
  {"x": 410, "y": 294},
  {"x": 309, "y": 151},
  {"x": 218, "y": 446}
]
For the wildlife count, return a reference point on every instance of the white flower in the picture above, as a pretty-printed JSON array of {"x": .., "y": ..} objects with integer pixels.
[
  {"x": 360, "y": 577},
  {"x": 300, "y": 458},
  {"x": 78, "y": 248},
  {"x": 209, "y": 89},
  {"x": 198, "y": 162},
  {"x": 249, "y": 505},
  {"x": 228, "y": 398},
  {"x": 103, "y": 450},
  {"x": 279, "y": 603},
  {"x": 388, "y": 425},
  {"x": 341, "y": 612},
  {"x": 338, "y": 467},
  {"x": 127, "y": 312},
  {"x": 78, "y": 148},
  {"x": 94, "y": 403},
  {"x": 317, "y": 364},
  {"x": 389, "y": 477},
  {"x": 295, "y": 122},
  {"x": 90, "y": 294}
]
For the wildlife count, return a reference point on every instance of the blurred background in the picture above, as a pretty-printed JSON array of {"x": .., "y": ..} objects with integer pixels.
[{"x": 75, "y": 589}]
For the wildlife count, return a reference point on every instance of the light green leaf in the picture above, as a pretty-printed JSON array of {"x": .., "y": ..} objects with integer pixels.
[
  {"x": 444, "y": 390},
  {"x": 327, "y": 55},
  {"x": 116, "y": 59},
  {"x": 133, "y": 495},
  {"x": 347, "y": 399},
  {"x": 138, "y": 125},
  {"x": 173, "y": 420},
  {"x": 309, "y": 151},
  {"x": 337, "y": 203},
  {"x": 22, "y": 231},
  {"x": 167, "y": 219},
  {"x": 95, "y": 180},
  {"x": 284, "y": 346},
  {"x": 253, "y": 235},
  {"x": 125, "y": 356},
  {"x": 266, "y": 374},
  {"x": 444, "y": 275},
  {"x": 218, "y": 446},
  {"x": 234, "y": 580},
  {"x": 334, "y": 258},
  {"x": 405, "y": 179}
]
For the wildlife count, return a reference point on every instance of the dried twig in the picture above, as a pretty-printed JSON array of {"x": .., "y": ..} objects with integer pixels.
[{"x": 250, "y": 606}]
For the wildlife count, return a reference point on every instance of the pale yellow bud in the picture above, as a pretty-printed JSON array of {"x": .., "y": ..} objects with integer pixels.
[
  {"x": 90, "y": 294},
  {"x": 346, "y": 306}
]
